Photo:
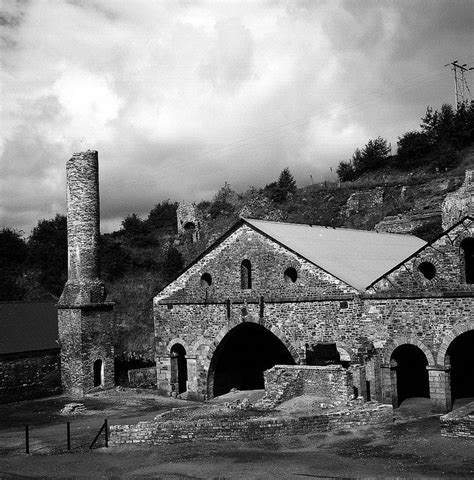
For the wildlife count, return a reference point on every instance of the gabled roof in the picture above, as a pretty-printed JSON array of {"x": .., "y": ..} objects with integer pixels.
[
  {"x": 357, "y": 257},
  {"x": 26, "y": 327}
]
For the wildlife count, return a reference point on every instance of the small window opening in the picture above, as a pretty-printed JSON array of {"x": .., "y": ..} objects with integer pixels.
[
  {"x": 367, "y": 383},
  {"x": 98, "y": 373},
  {"x": 467, "y": 246},
  {"x": 290, "y": 275},
  {"x": 189, "y": 226},
  {"x": 427, "y": 269},
  {"x": 246, "y": 274},
  {"x": 355, "y": 391},
  {"x": 343, "y": 304},
  {"x": 206, "y": 280}
]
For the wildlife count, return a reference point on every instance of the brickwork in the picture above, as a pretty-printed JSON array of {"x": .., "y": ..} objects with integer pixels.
[
  {"x": 459, "y": 422},
  {"x": 172, "y": 431},
  {"x": 459, "y": 203},
  {"x": 189, "y": 220},
  {"x": 29, "y": 375},
  {"x": 85, "y": 317}
]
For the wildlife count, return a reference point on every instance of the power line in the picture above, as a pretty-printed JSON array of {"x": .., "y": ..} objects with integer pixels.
[{"x": 462, "y": 94}]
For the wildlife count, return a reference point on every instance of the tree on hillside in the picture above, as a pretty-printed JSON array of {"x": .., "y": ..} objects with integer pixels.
[
  {"x": 47, "y": 253},
  {"x": 172, "y": 264},
  {"x": 220, "y": 204},
  {"x": 278, "y": 191},
  {"x": 163, "y": 215},
  {"x": 13, "y": 254},
  {"x": 412, "y": 147},
  {"x": 345, "y": 171}
]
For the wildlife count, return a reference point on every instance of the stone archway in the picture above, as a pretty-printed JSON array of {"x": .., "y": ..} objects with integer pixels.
[{"x": 242, "y": 355}]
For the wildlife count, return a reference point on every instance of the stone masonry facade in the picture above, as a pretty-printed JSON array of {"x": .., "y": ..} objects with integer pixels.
[{"x": 403, "y": 307}]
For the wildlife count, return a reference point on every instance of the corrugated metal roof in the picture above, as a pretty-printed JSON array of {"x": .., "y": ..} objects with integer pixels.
[
  {"x": 26, "y": 327},
  {"x": 358, "y": 257}
]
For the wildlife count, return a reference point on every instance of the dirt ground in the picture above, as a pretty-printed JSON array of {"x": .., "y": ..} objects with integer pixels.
[{"x": 409, "y": 447}]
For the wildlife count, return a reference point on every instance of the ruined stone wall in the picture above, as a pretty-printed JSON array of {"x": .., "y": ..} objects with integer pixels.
[
  {"x": 189, "y": 219},
  {"x": 459, "y": 422},
  {"x": 459, "y": 203},
  {"x": 331, "y": 384},
  {"x": 173, "y": 431},
  {"x": 406, "y": 224},
  {"x": 29, "y": 375},
  {"x": 363, "y": 200}
]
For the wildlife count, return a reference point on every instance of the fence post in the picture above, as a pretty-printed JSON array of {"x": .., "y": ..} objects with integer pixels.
[
  {"x": 106, "y": 426},
  {"x": 27, "y": 438},
  {"x": 68, "y": 428}
]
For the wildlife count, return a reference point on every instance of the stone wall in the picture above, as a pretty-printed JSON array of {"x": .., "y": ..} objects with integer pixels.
[
  {"x": 29, "y": 375},
  {"x": 406, "y": 224},
  {"x": 459, "y": 203},
  {"x": 139, "y": 377},
  {"x": 189, "y": 220},
  {"x": 459, "y": 422},
  {"x": 331, "y": 384},
  {"x": 363, "y": 200},
  {"x": 172, "y": 431}
]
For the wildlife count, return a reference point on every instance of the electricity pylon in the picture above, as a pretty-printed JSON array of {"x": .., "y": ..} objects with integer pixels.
[{"x": 462, "y": 94}]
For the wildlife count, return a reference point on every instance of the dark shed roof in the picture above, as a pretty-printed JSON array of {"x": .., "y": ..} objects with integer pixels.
[{"x": 26, "y": 327}]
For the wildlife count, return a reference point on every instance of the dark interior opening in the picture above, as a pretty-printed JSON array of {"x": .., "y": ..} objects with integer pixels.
[
  {"x": 97, "y": 373},
  {"x": 189, "y": 226},
  {"x": 242, "y": 357},
  {"x": 461, "y": 354},
  {"x": 412, "y": 376},
  {"x": 322, "y": 354},
  {"x": 179, "y": 368},
  {"x": 367, "y": 387},
  {"x": 290, "y": 275},
  {"x": 467, "y": 246},
  {"x": 427, "y": 269}
]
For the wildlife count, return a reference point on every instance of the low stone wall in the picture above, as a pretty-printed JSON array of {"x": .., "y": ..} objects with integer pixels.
[
  {"x": 139, "y": 377},
  {"x": 459, "y": 422},
  {"x": 29, "y": 375},
  {"x": 156, "y": 432},
  {"x": 329, "y": 384}
]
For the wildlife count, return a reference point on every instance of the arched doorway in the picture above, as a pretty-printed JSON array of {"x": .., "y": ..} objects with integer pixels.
[
  {"x": 460, "y": 355},
  {"x": 241, "y": 358},
  {"x": 179, "y": 368},
  {"x": 411, "y": 374},
  {"x": 98, "y": 373}
]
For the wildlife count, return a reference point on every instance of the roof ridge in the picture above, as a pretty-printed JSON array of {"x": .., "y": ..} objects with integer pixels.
[{"x": 311, "y": 225}]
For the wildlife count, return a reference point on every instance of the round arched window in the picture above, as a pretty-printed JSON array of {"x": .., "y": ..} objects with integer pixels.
[
  {"x": 427, "y": 269},
  {"x": 290, "y": 275},
  {"x": 206, "y": 280}
]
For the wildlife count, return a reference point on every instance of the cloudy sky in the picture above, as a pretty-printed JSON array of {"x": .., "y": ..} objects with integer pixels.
[{"x": 179, "y": 97}]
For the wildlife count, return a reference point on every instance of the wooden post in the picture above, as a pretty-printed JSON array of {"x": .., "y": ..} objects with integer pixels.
[
  {"x": 68, "y": 427},
  {"x": 27, "y": 438}
]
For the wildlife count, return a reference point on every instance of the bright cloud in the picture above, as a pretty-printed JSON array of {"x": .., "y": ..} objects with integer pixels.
[{"x": 180, "y": 97}]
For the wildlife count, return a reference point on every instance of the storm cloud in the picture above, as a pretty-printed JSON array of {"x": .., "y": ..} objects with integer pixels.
[{"x": 180, "y": 97}]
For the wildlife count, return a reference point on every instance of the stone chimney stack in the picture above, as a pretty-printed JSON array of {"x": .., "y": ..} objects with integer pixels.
[
  {"x": 85, "y": 317},
  {"x": 460, "y": 203},
  {"x": 83, "y": 286}
]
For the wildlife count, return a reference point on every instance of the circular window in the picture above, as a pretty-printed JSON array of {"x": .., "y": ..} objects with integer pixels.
[
  {"x": 290, "y": 275},
  {"x": 427, "y": 269},
  {"x": 206, "y": 280}
]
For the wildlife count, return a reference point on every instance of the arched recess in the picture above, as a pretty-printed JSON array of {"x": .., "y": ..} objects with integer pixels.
[
  {"x": 395, "y": 343},
  {"x": 411, "y": 376},
  {"x": 241, "y": 357},
  {"x": 457, "y": 330},
  {"x": 459, "y": 359},
  {"x": 98, "y": 369},
  {"x": 179, "y": 368}
]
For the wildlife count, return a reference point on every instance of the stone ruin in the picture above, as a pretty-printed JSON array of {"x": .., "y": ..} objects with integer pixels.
[
  {"x": 189, "y": 220},
  {"x": 460, "y": 203}
]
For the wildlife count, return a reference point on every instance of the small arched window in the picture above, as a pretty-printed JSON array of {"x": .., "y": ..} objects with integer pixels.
[
  {"x": 290, "y": 275},
  {"x": 246, "y": 274},
  {"x": 427, "y": 269},
  {"x": 206, "y": 280},
  {"x": 98, "y": 373},
  {"x": 467, "y": 246}
]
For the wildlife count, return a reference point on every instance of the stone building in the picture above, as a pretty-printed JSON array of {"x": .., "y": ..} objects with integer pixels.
[
  {"x": 268, "y": 293},
  {"x": 189, "y": 220},
  {"x": 29, "y": 351}
]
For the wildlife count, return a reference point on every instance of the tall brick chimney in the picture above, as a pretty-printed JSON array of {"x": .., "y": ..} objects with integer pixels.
[{"x": 85, "y": 317}]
